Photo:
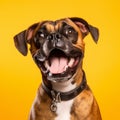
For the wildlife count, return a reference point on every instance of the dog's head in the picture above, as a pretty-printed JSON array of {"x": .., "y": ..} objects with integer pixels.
[{"x": 57, "y": 47}]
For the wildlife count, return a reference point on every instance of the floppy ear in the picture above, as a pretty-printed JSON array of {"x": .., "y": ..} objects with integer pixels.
[
  {"x": 21, "y": 39},
  {"x": 86, "y": 28},
  {"x": 21, "y": 43}
]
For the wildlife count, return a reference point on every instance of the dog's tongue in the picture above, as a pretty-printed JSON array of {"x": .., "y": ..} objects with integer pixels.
[{"x": 58, "y": 64}]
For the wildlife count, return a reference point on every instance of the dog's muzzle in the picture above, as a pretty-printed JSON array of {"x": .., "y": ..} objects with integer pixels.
[{"x": 58, "y": 59}]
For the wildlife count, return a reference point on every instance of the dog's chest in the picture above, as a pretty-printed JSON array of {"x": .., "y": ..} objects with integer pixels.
[{"x": 63, "y": 110}]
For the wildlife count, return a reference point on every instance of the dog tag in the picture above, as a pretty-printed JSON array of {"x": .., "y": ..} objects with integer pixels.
[
  {"x": 53, "y": 107},
  {"x": 55, "y": 99}
]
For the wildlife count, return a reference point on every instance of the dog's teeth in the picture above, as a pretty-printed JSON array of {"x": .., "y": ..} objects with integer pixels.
[
  {"x": 50, "y": 74},
  {"x": 47, "y": 64},
  {"x": 46, "y": 71},
  {"x": 66, "y": 67},
  {"x": 71, "y": 62}
]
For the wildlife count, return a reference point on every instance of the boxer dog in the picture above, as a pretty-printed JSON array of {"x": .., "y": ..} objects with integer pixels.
[{"x": 57, "y": 47}]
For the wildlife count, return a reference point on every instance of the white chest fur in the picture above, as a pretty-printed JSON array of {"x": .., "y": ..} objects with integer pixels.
[
  {"x": 64, "y": 107},
  {"x": 63, "y": 110}
]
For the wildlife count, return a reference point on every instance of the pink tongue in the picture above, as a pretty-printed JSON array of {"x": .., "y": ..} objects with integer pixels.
[{"x": 58, "y": 65}]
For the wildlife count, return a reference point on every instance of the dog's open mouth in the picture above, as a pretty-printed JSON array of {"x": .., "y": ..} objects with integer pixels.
[{"x": 58, "y": 66}]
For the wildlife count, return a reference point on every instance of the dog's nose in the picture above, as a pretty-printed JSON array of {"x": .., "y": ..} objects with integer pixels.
[
  {"x": 54, "y": 36},
  {"x": 58, "y": 36},
  {"x": 56, "y": 40}
]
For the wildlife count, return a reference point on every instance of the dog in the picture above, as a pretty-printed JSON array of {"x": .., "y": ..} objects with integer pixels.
[{"x": 57, "y": 47}]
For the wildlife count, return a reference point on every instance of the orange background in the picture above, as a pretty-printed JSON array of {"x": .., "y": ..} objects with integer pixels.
[{"x": 20, "y": 77}]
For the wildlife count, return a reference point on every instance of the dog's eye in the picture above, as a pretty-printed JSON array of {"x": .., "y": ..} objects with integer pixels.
[
  {"x": 69, "y": 31},
  {"x": 41, "y": 34}
]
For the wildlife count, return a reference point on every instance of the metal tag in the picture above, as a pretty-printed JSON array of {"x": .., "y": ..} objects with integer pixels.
[
  {"x": 55, "y": 99},
  {"x": 53, "y": 107}
]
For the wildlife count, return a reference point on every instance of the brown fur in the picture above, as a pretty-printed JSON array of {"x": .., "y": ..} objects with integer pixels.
[
  {"x": 42, "y": 107},
  {"x": 85, "y": 105}
]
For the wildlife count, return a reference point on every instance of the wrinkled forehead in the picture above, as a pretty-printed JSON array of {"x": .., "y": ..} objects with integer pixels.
[{"x": 53, "y": 26}]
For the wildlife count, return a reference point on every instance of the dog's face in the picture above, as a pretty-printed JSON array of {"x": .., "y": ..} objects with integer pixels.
[{"x": 57, "y": 47}]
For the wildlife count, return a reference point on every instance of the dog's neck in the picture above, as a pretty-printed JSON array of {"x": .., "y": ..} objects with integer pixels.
[
  {"x": 63, "y": 86},
  {"x": 66, "y": 86},
  {"x": 67, "y": 90}
]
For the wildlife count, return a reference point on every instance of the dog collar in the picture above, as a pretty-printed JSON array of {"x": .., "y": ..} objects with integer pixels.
[{"x": 58, "y": 96}]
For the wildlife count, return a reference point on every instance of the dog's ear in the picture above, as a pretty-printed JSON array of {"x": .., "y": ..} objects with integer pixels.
[
  {"x": 22, "y": 38},
  {"x": 86, "y": 28},
  {"x": 21, "y": 43}
]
